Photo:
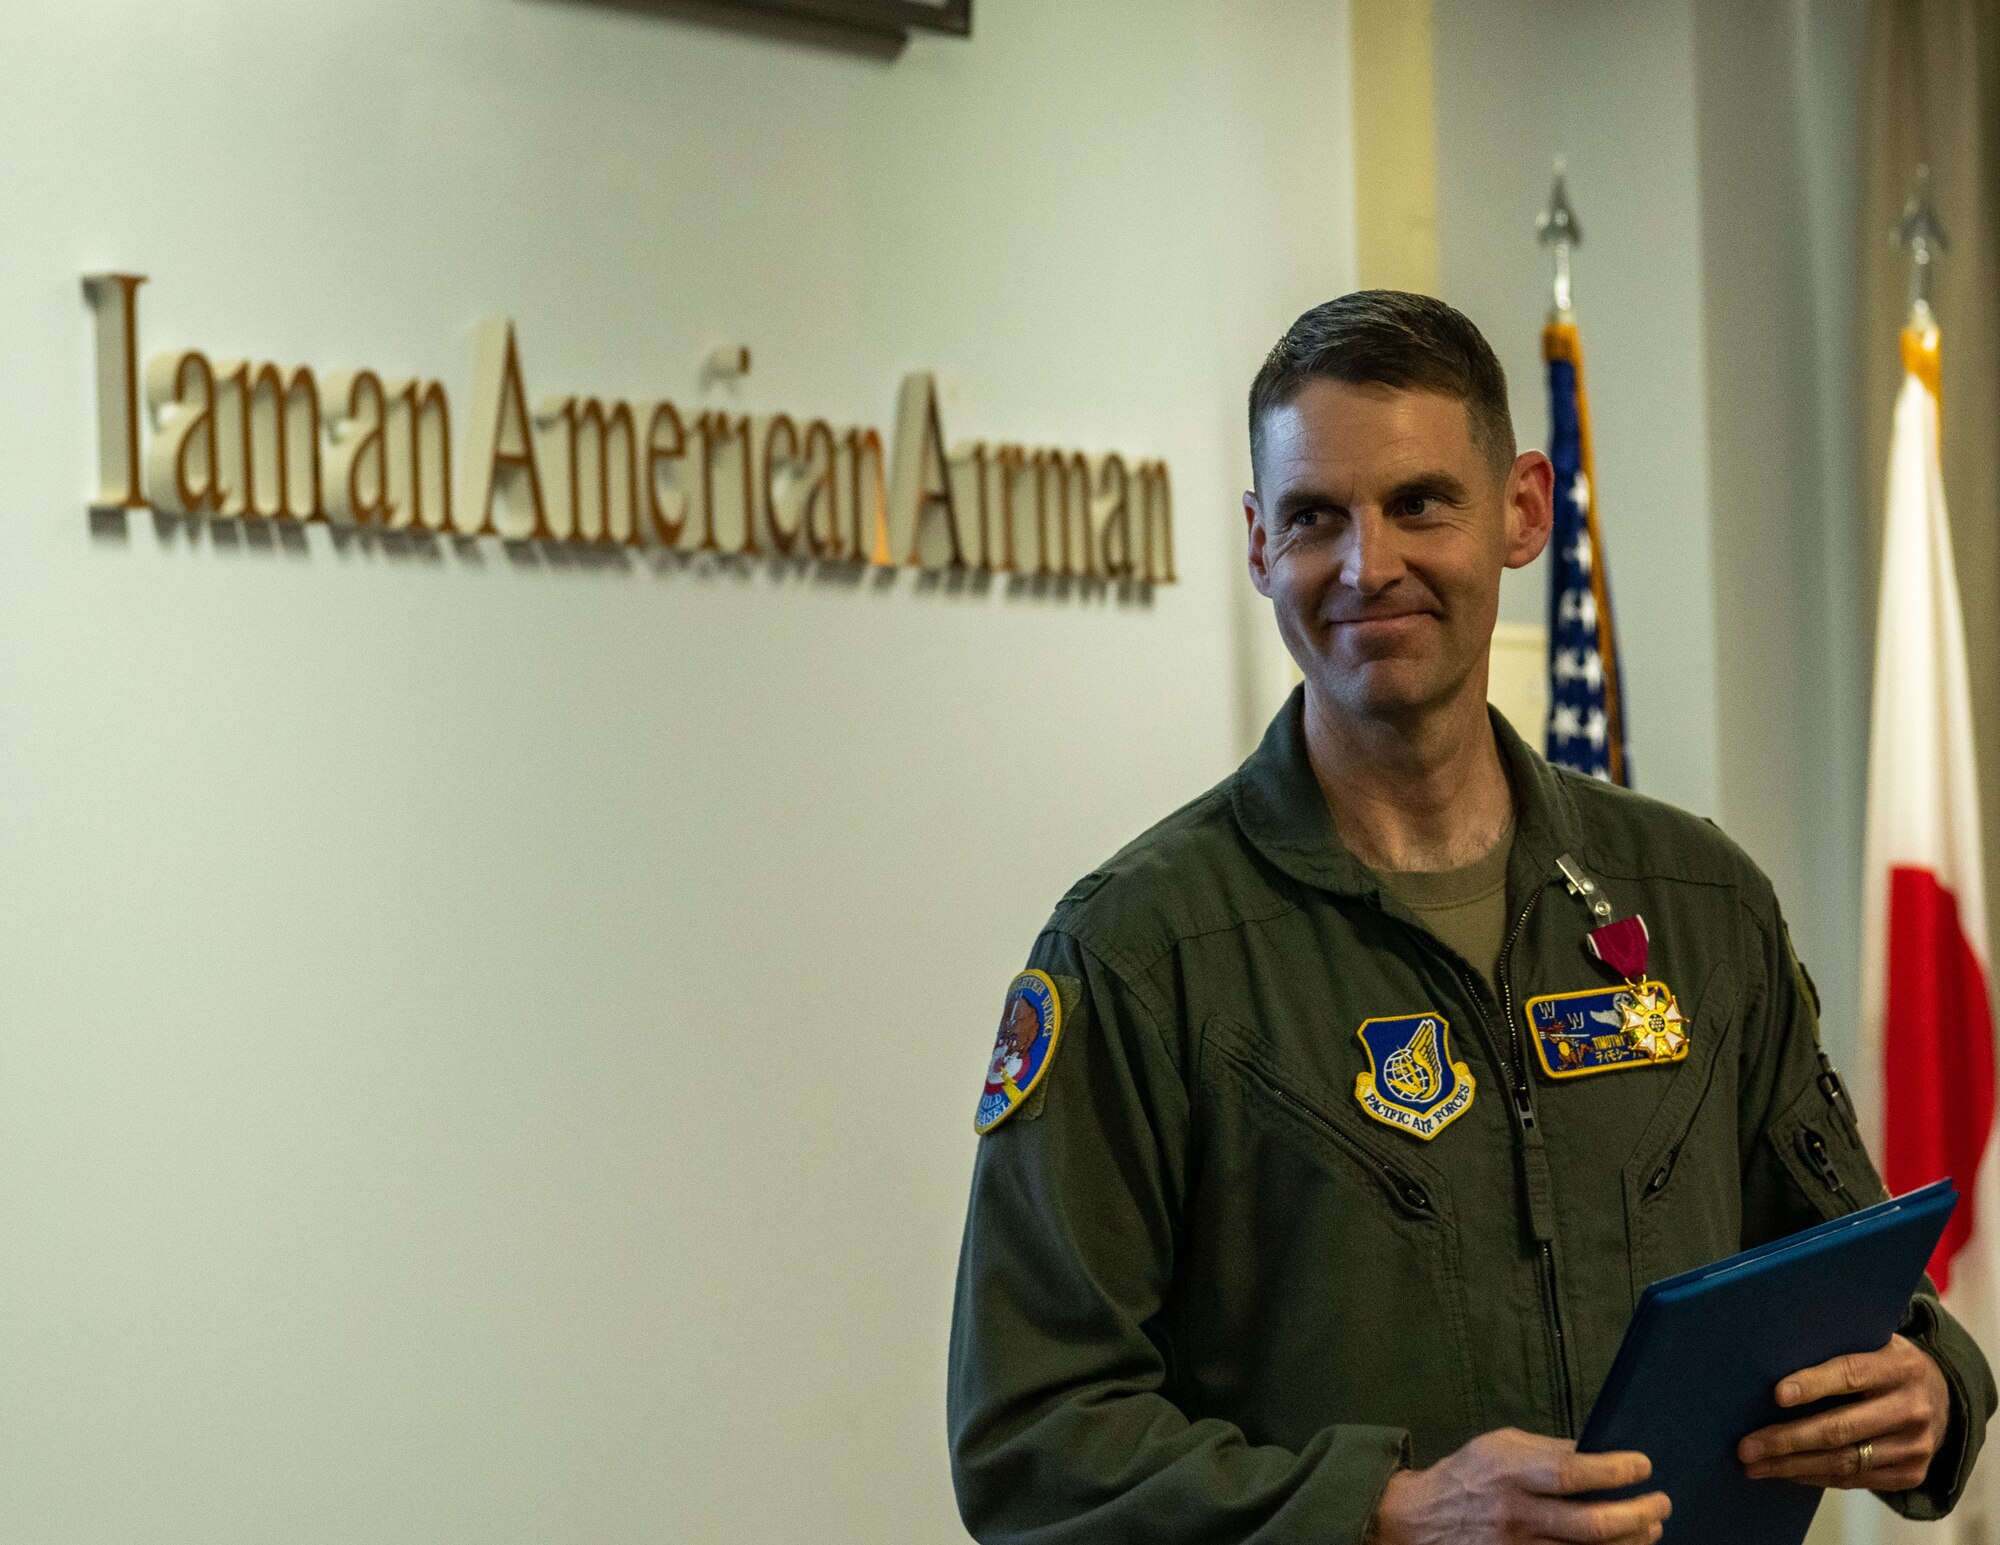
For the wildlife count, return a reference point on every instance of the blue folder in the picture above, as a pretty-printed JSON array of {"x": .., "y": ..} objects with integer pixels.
[{"x": 1706, "y": 1349}]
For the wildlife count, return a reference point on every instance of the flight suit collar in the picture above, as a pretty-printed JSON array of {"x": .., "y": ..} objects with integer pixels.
[{"x": 1281, "y": 809}]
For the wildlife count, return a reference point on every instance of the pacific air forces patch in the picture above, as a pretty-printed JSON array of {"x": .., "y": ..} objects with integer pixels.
[
  {"x": 1635, "y": 1026},
  {"x": 1030, "y": 1025},
  {"x": 1414, "y": 1084}
]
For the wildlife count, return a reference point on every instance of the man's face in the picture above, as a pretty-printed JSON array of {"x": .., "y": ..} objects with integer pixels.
[{"x": 1378, "y": 530}]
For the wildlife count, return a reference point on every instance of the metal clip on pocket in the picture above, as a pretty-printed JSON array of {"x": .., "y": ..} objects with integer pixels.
[
  {"x": 1832, "y": 1090},
  {"x": 1584, "y": 888}
]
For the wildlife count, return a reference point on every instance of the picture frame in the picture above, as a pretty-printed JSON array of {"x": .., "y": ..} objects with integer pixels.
[{"x": 888, "y": 18}]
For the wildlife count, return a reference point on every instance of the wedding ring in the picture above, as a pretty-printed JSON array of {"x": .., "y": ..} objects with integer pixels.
[{"x": 1864, "y": 1454}]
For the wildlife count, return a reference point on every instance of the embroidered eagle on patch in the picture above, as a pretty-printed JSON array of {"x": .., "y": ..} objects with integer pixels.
[{"x": 1414, "y": 1085}]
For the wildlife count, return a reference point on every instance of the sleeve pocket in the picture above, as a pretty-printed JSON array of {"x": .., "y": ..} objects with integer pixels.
[{"x": 1820, "y": 1148}]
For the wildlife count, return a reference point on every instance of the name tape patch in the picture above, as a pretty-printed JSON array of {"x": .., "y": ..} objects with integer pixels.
[{"x": 1607, "y": 1028}]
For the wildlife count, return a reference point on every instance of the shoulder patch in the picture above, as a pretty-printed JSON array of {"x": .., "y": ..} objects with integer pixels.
[{"x": 1030, "y": 1026}]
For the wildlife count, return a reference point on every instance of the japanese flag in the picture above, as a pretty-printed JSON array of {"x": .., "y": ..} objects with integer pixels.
[{"x": 1926, "y": 1016}]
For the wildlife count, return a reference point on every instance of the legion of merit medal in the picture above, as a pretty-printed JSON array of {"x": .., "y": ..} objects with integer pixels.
[{"x": 1653, "y": 1022}]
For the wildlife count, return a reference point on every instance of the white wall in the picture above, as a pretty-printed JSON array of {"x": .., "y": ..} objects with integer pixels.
[{"x": 487, "y": 1049}]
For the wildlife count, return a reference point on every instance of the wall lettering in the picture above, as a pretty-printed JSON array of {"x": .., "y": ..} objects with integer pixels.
[{"x": 258, "y": 440}]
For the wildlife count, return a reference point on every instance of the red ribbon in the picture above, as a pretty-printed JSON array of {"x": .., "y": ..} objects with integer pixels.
[{"x": 1622, "y": 946}]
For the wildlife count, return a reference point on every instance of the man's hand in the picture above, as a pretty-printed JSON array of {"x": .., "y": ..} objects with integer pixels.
[
  {"x": 1883, "y": 1439},
  {"x": 1514, "y": 1487}
]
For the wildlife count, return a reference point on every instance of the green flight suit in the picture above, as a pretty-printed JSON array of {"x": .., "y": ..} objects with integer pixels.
[{"x": 1203, "y": 1296}]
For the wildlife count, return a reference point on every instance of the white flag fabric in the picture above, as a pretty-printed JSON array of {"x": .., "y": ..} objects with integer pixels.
[{"x": 1926, "y": 1015}]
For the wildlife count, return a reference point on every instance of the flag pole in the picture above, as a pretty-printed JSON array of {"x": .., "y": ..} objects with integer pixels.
[{"x": 1576, "y": 572}]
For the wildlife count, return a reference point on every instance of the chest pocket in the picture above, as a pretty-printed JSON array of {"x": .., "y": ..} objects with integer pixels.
[
  {"x": 1682, "y": 1183},
  {"x": 1324, "y": 1282}
]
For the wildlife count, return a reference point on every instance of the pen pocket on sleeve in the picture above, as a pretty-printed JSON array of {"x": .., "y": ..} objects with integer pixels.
[{"x": 1820, "y": 1148}]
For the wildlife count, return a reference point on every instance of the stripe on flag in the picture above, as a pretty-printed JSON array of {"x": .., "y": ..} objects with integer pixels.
[{"x": 1937, "y": 1081}]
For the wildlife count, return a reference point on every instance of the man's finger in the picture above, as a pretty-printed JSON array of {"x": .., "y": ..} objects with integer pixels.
[
  {"x": 1592, "y": 1523},
  {"x": 1877, "y": 1477},
  {"x": 1565, "y": 1474},
  {"x": 1852, "y": 1374},
  {"x": 1645, "y": 1536},
  {"x": 1845, "y": 1425},
  {"x": 1840, "y": 1466}
]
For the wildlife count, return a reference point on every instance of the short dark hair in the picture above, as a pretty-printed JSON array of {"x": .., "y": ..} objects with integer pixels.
[{"x": 1397, "y": 339}]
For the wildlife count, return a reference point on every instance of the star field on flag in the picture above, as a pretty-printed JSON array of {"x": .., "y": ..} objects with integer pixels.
[{"x": 1586, "y": 729}]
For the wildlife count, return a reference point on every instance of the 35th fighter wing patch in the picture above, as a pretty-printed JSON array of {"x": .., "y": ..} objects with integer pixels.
[
  {"x": 1414, "y": 1084},
  {"x": 1635, "y": 1026},
  {"x": 1030, "y": 1026}
]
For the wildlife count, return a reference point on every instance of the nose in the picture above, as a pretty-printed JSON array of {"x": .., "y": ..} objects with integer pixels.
[{"x": 1369, "y": 561}]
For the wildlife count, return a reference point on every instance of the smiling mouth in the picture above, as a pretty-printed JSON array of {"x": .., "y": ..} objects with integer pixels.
[
  {"x": 1386, "y": 619},
  {"x": 1391, "y": 636}
]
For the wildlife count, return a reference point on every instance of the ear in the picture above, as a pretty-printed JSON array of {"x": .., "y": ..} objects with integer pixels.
[
  {"x": 1531, "y": 509},
  {"x": 1260, "y": 569}
]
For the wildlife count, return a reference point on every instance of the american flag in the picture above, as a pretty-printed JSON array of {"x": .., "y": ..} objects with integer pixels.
[{"x": 1586, "y": 693}]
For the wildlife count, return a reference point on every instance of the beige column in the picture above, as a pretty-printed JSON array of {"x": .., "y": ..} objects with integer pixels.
[{"x": 1395, "y": 146}]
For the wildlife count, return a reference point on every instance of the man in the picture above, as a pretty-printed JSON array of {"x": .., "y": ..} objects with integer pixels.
[{"x": 1362, "y": 1107}]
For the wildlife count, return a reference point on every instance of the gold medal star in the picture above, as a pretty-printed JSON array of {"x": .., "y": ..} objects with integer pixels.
[{"x": 1653, "y": 1023}]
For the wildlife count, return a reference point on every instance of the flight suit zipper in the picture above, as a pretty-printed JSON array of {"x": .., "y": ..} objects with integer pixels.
[
  {"x": 1524, "y": 1109},
  {"x": 1834, "y": 1093},
  {"x": 1522, "y": 1098},
  {"x": 1817, "y": 1155}
]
